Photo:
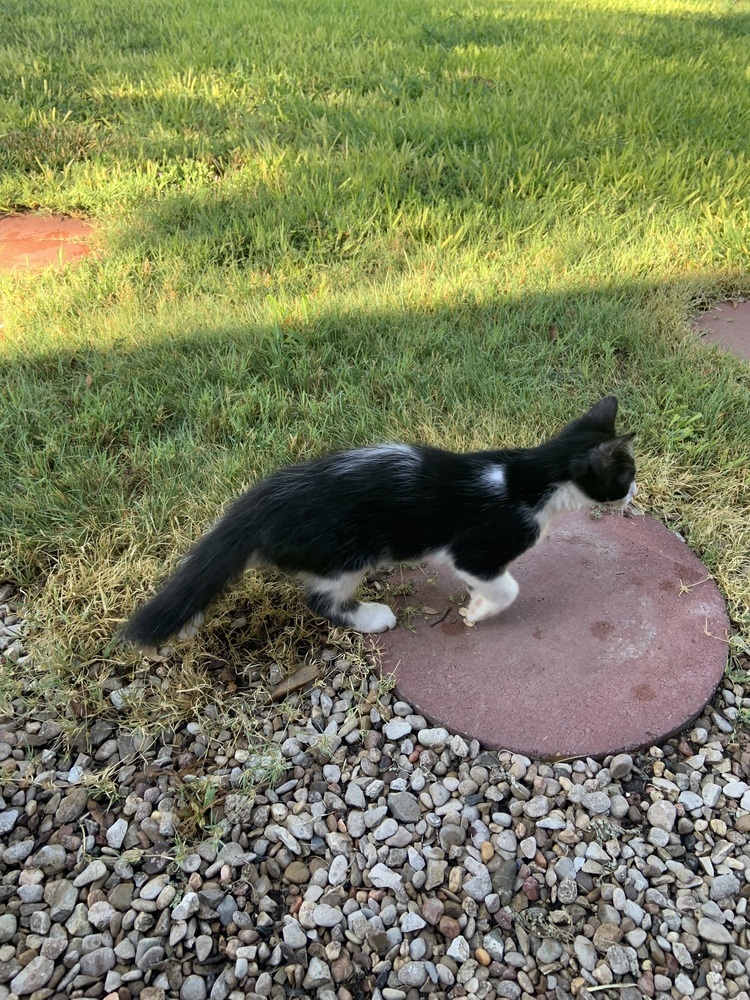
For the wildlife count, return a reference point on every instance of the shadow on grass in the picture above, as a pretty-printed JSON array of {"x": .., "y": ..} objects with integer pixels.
[
  {"x": 656, "y": 31},
  {"x": 139, "y": 434}
]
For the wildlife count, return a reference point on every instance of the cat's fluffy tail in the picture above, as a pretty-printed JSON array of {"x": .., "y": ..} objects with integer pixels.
[{"x": 216, "y": 560}]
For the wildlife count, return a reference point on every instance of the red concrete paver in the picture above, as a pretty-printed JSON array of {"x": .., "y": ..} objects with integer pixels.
[
  {"x": 728, "y": 325},
  {"x": 603, "y": 651},
  {"x": 32, "y": 242}
]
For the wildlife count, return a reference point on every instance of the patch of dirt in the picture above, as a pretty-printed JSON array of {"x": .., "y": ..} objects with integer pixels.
[
  {"x": 727, "y": 324},
  {"x": 33, "y": 242}
]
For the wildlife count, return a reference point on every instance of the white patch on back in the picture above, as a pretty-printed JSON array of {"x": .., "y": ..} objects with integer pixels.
[
  {"x": 494, "y": 477},
  {"x": 355, "y": 459},
  {"x": 565, "y": 498}
]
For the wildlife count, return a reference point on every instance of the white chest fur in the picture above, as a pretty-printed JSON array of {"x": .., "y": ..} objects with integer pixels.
[{"x": 567, "y": 497}]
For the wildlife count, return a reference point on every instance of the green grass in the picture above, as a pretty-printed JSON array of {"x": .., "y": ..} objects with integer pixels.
[{"x": 328, "y": 223}]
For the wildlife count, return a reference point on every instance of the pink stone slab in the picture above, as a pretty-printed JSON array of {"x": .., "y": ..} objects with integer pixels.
[
  {"x": 728, "y": 325},
  {"x": 616, "y": 641},
  {"x": 32, "y": 242}
]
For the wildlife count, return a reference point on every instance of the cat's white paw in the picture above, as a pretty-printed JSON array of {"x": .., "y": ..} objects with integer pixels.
[
  {"x": 373, "y": 618},
  {"x": 480, "y": 607},
  {"x": 190, "y": 629}
]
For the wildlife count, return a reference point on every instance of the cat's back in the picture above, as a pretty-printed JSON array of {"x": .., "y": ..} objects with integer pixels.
[
  {"x": 418, "y": 471},
  {"x": 394, "y": 474}
]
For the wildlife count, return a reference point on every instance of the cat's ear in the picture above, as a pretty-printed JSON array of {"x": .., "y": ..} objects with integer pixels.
[
  {"x": 605, "y": 452},
  {"x": 602, "y": 414}
]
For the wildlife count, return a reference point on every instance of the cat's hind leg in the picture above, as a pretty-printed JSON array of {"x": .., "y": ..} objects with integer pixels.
[
  {"x": 488, "y": 597},
  {"x": 333, "y": 598}
]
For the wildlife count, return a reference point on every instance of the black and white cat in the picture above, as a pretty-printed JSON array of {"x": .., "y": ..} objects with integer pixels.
[{"x": 330, "y": 520}]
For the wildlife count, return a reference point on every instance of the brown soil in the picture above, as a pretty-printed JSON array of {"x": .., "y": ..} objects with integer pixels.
[
  {"x": 33, "y": 242},
  {"x": 727, "y": 324}
]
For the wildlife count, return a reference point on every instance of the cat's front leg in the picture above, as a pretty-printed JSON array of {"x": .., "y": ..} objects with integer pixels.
[{"x": 489, "y": 597}]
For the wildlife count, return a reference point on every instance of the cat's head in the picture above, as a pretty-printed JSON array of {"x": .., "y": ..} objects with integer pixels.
[{"x": 603, "y": 466}]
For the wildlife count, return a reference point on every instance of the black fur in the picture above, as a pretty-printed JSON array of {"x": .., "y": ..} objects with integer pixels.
[{"x": 351, "y": 511}]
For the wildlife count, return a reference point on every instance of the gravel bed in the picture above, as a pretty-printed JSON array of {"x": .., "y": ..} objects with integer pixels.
[{"x": 392, "y": 860}]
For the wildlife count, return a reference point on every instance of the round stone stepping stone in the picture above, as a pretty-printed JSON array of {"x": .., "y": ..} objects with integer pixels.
[
  {"x": 32, "y": 242},
  {"x": 727, "y": 324},
  {"x": 616, "y": 641}
]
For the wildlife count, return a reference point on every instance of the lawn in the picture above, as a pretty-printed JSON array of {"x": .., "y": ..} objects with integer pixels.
[{"x": 332, "y": 223}]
